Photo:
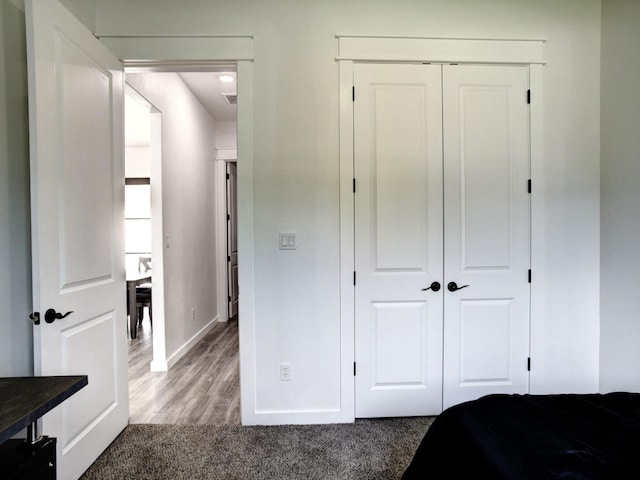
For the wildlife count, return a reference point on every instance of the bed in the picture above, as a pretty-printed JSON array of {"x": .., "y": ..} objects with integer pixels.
[{"x": 572, "y": 436}]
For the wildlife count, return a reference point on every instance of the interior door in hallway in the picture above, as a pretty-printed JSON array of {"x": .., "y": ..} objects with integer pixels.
[
  {"x": 486, "y": 231},
  {"x": 398, "y": 251},
  {"x": 232, "y": 238}
]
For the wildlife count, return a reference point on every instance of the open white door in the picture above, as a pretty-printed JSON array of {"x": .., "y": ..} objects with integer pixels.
[
  {"x": 232, "y": 238},
  {"x": 77, "y": 195}
]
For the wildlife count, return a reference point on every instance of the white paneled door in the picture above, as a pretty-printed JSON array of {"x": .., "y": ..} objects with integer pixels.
[
  {"x": 398, "y": 251},
  {"x": 76, "y": 135},
  {"x": 486, "y": 231},
  {"x": 441, "y": 235}
]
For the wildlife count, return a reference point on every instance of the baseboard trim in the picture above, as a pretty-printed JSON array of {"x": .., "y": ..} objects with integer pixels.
[
  {"x": 181, "y": 352},
  {"x": 297, "y": 417}
]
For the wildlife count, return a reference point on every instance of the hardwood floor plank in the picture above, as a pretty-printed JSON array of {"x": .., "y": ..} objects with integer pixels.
[{"x": 202, "y": 388}]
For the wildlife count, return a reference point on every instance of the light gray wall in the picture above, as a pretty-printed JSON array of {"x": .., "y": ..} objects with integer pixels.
[
  {"x": 188, "y": 205},
  {"x": 295, "y": 107},
  {"x": 620, "y": 314},
  {"x": 16, "y": 352},
  {"x": 83, "y": 10}
]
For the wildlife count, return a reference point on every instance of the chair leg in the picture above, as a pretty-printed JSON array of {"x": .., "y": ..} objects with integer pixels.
[{"x": 140, "y": 315}]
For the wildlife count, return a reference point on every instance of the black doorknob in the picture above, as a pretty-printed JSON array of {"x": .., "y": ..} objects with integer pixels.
[
  {"x": 435, "y": 286},
  {"x": 453, "y": 286},
  {"x": 51, "y": 315}
]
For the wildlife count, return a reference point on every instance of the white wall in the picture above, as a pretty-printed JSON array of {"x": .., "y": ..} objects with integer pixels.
[
  {"x": 16, "y": 350},
  {"x": 226, "y": 135},
  {"x": 296, "y": 172},
  {"x": 138, "y": 162},
  {"x": 620, "y": 312},
  {"x": 188, "y": 205}
]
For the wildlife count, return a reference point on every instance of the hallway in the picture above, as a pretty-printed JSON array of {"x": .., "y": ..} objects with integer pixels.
[{"x": 202, "y": 388}]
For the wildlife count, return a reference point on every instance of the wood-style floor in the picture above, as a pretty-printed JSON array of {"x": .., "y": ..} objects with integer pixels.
[{"x": 203, "y": 387}]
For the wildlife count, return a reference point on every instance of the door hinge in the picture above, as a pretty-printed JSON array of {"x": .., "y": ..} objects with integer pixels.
[
  {"x": 529, "y": 275},
  {"x": 354, "y": 185},
  {"x": 229, "y": 298},
  {"x": 354, "y": 369},
  {"x": 228, "y": 176},
  {"x": 354, "y": 279},
  {"x": 528, "y": 96},
  {"x": 529, "y": 186},
  {"x": 228, "y": 258},
  {"x": 353, "y": 93},
  {"x": 228, "y": 217},
  {"x": 528, "y": 364}
]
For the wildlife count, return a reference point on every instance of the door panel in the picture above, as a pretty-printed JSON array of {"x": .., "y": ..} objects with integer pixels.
[
  {"x": 486, "y": 230},
  {"x": 399, "y": 331},
  {"x": 84, "y": 155},
  {"x": 77, "y": 171},
  {"x": 485, "y": 362},
  {"x": 398, "y": 251}
]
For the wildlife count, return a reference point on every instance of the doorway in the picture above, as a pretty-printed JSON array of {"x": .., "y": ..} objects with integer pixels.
[{"x": 191, "y": 238}]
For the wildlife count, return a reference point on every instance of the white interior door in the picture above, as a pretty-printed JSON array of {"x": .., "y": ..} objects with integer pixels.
[
  {"x": 486, "y": 169},
  {"x": 398, "y": 250},
  {"x": 232, "y": 238},
  {"x": 77, "y": 171}
]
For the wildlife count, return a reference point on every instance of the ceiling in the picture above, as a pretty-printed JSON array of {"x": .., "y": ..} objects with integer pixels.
[
  {"x": 210, "y": 90},
  {"x": 207, "y": 88}
]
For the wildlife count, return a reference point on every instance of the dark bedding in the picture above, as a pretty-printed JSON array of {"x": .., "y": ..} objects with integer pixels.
[{"x": 589, "y": 436}]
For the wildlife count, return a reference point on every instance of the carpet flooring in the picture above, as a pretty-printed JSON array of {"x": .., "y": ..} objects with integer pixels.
[{"x": 379, "y": 449}]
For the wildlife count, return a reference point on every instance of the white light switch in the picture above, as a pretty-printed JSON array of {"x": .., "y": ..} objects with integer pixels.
[{"x": 287, "y": 241}]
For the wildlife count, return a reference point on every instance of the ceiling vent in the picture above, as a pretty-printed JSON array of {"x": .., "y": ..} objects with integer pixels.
[{"x": 231, "y": 98}]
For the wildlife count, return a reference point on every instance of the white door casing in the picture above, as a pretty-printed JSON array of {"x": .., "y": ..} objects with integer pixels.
[
  {"x": 77, "y": 167},
  {"x": 398, "y": 250},
  {"x": 485, "y": 224},
  {"x": 486, "y": 230}
]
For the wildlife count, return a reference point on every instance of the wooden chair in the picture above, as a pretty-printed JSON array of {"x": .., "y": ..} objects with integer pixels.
[
  {"x": 143, "y": 292},
  {"x": 143, "y": 299}
]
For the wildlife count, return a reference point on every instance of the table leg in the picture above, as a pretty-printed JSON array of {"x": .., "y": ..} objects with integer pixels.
[{"x": 133, "y": 311}]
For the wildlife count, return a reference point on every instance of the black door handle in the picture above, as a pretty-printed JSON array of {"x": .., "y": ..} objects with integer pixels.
[
  {"x": 453, "y": 286},
  {"x": 51, "y": 315},
  {"x": 435, "y": 286}
]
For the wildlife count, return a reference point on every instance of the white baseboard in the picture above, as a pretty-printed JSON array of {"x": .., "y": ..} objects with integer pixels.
[
  {"x": 297, "y": 417},
  {"x": 180, "y": 352}
]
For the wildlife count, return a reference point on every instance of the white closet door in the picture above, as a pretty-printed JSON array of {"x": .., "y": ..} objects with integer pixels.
[
  {"x": 398, "y": 246},
  {"x": 486, "y": 158}
]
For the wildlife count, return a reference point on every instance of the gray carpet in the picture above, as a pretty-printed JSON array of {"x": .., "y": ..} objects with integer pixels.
[{"x": 366, "y": 450}]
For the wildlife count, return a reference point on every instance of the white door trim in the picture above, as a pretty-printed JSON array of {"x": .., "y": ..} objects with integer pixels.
[
  {"x": 440, "y": 50},
  {"x": 202, "y": 52},
  {"x": 353, "y": 49}
]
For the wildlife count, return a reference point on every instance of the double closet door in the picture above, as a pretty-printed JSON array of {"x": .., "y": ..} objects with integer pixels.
[{"x": 442, "y": 255}]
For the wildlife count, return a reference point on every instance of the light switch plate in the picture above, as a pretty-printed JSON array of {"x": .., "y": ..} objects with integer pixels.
[{"x": 287, "y": 241}]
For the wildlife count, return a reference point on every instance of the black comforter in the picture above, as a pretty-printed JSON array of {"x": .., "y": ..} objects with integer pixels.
[{"x": 589, "y": 436}]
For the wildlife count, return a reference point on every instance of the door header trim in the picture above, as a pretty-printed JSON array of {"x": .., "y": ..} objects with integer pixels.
[
  {"x": 134, "y": 50},
  {"x": 445, "y": 50}
]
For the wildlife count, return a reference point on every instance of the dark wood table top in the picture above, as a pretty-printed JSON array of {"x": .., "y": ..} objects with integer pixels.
[{"x": 25, "y": 399}]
